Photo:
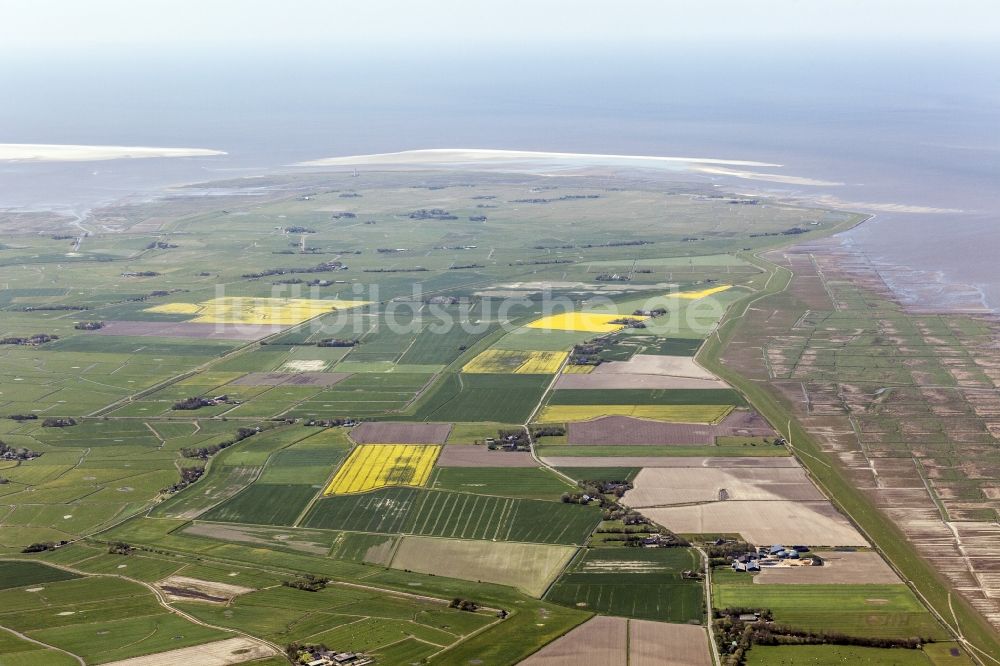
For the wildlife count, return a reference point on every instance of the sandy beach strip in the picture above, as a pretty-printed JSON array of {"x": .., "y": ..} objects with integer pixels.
[
  {"x": 45, "y": 152},
  {"x": 443, "y": 156},
  {"x": 768, "y": 177}
]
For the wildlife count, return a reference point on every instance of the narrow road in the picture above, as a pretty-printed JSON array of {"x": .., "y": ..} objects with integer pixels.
[{"x": 708, "y": 596}]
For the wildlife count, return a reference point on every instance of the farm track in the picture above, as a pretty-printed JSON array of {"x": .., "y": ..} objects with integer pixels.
[
  {"x": 162, "y": 601},
  {"x": 29, "y": 639}
]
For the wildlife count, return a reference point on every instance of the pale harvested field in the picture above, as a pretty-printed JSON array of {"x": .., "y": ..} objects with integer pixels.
[
  {"x": 629, "y": 430},
  {"x": 667, "y": 461},
  {"x": 860, "y": 568},
  {"x": 806, "y": 523},
  {"x": 745, "y": 422},
  {"x": 306, "y": 541},
  {"x": 219, "y": 653},
  {"x": 658, "y": 643},
  {"x": 186, "y": 329},
  {"x": 291, "y": 378},
  {"x": 529, "y": 567},
  {"x": 665, "y": 486},
  {"x": 601, "y": 641},
  {"x": 305, "y": 365},
  {"x": 182, "y": 588},
  {"x": 610, "y": 380},
  {"x": 650, "y": 364},
  {"x": 401, "y": 433},
  {"x": 459, "y": 455}
]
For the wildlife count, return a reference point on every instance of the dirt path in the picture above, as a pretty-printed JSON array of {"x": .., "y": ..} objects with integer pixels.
[
  {"x": 29, "y": 639},
  {"x": 161, "y": 599}
]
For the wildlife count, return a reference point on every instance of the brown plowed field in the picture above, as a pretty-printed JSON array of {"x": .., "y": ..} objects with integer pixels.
[
  {"x": 182, "y": 588},
  {"x": 628, "y": 430},
  {"x": 459, "y": 455},
  {"x": 657, "y": 643},
  {"x": 401, "y": 433},
  {"x": 602, "y": 641}
]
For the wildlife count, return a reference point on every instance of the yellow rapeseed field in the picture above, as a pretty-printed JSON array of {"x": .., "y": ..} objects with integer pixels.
[
  {"x": 372, "y": 466},
  {"x": 695, "y": 295},
  {"x": 176, "y": 308},
  {"x": 673, "y": 413},
  {"x": 497, "y": 361},
  {"x": 588, "y": 322},
  {"x": 578, "y": 369},
  {"x": 249, "y": 310}
]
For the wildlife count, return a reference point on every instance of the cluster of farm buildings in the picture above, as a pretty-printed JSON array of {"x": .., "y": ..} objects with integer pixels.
[
  {"x": 331, "y": 658},
  {"x": 772, "y": 556}
]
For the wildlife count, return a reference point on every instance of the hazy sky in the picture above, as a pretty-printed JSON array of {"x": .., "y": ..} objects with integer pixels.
[{"x": 29, "y": 25}]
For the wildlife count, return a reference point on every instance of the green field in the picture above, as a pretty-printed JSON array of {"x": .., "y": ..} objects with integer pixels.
[
  {"x": 830, "y": 655},
  {"x": 265, "y": 504},
  {"x": 890, "y": 611},
  {"x": 503, "y": 398},
  {"x": 100, "y": 619},
  {"x": 457, "y": 515},
  {"x": 529, "y": 482},
  {"x": 21, "y": 574},
  {"x": 647, "y": 397},
  {"x": 643, "y": 583}
]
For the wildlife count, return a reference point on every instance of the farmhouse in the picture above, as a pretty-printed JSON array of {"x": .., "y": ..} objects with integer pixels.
[{"x": 331, "y": 658}]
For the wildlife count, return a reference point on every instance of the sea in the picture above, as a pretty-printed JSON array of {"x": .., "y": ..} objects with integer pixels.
[{"x": 909, "y": 132}]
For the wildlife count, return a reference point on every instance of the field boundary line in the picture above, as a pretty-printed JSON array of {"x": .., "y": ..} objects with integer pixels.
[
  {"x": 161, "y": 600},
  {"x": 29, "y": 639}
]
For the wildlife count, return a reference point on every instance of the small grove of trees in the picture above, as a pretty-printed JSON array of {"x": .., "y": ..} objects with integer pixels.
[
  {"x": 510, "y": 439},
  {"x": 43, "y": 546},
  {"x": 332, "y": 423},
  {"x": 548, "y": 431},
  {"x": 338, "y": 342},
  {"x": 307, "y": 582},
  {"x": 197, "y": 402},
  {"x": 16, "y": 453},
  {"x": 299, "y": 653},
  {"x": 64, "y": 422},
  {"x": 119, "y": 548},
  {"x": 31, "y": 340},
  {"x": 88, "y": 325},
  {"x": 587, "y": 353},
  {"x": 324, "y": 267},
  {"x": 205, "y": 452},
  {"x": 464, "y": 604},
  {"x": 736, "y": 636},
  {"x": 598, "y": 490},
  {"x": 23, "y": 417},
  {"x": 188, "y": 476}
]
